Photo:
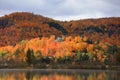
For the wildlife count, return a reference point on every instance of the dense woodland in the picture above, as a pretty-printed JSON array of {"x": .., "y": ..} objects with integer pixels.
[
  {"x": 25, "y": 26},
  {"x": 26, "y": 37}
]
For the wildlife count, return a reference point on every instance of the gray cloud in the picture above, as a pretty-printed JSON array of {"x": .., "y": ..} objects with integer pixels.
[{"x": 63, "y": 9}]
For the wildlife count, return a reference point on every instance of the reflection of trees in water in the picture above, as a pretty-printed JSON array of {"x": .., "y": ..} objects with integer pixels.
[
  {"x": 29, "y": 75},
  {"x": 74, "y": 76},
  {"x": 53, "y": 75}
]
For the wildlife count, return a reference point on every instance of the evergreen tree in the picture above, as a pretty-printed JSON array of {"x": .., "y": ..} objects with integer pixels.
[{"x": 30, "y": 57}]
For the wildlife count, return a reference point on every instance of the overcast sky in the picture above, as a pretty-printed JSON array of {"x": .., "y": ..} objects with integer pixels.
[{"x": 63, "y": 9}]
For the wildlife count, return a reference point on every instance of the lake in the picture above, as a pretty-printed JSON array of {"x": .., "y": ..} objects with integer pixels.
[{"x": 58, "y": 74}]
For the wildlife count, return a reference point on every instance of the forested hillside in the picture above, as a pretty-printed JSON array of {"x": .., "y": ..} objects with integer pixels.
[
  {"x": 32, "y": 40},
  {"x": 20, "y": 26}
]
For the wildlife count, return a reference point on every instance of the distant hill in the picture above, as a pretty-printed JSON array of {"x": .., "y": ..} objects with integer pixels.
[{"x": 23, "y": 25}]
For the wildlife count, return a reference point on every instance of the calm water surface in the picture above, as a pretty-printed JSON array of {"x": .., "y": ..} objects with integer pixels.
[{"x": 58, "y": 74}]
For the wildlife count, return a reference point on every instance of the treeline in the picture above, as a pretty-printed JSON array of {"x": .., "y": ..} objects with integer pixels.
[{"x": 60, "y": 50}]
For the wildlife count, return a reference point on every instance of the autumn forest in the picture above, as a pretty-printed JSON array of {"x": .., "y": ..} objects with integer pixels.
[{"x": 29, "y": 40}]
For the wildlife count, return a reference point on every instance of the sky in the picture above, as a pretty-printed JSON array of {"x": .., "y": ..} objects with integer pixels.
[{"x": 63, "y": 9}]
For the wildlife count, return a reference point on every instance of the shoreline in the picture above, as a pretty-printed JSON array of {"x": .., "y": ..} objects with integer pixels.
[{"x": 58, "y": 68}]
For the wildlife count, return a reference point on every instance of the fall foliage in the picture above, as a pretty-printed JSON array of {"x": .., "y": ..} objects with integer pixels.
[
  {"x": 25, "y": 26},
  {"x": 90, "y": 39},
  {"x": 51, "y": 47}
]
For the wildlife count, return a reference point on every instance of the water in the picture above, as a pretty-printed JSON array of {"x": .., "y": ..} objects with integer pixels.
[{"x": 58, "y": 74}]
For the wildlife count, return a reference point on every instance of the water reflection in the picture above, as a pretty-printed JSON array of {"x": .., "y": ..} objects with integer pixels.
[{"x": 59, "y": 75}]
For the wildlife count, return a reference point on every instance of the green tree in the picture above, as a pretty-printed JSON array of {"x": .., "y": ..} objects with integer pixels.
[
  {"x": 17, "y": 52},
  {"x": 79, "y": 56},
  {"x": 30, "y": 58}
]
